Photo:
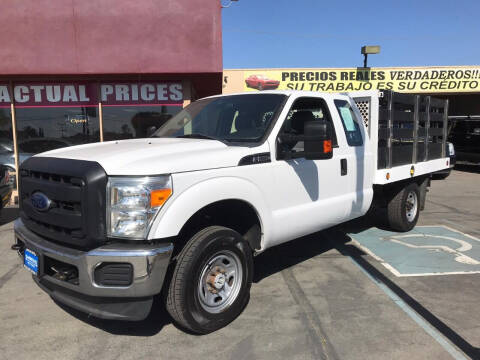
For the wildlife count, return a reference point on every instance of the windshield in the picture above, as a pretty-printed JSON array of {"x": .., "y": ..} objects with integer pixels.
[{"x": 243, "y": 118}]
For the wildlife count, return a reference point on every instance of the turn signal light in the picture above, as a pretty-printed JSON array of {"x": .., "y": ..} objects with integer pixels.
[
  {"x": 158, "y": 197},
  {"x": 327, "y": 146}
]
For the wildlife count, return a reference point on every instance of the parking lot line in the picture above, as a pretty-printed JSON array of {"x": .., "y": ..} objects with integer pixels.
[{"x": 435, "y": 334}]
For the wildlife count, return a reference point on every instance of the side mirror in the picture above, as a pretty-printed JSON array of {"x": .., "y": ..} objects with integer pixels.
[
  {"x": 318, "y": 140},
  {"x": 151, "y": 130}
]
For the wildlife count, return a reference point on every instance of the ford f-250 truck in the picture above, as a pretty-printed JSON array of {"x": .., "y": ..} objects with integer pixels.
[{"x": 104, "y": 227}]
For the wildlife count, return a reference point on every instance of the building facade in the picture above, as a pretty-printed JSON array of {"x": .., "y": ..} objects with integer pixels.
[{"x": 85, "y": 71}]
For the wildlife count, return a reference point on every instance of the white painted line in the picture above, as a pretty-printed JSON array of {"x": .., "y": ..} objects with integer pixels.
[
  {"x": 396, "y": 273},
  {"x": 437, "y": 336},
  {"x": 365, "y": 249}
]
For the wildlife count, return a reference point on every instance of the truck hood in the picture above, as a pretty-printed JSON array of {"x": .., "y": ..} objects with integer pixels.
[{"x": 155, "y": 156}]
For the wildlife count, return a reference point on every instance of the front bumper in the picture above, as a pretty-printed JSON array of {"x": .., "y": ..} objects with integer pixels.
[{"x": 132, "y": 302}]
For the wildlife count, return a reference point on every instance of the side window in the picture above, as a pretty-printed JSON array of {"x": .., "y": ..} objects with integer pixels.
[
  {"x": 303, "y": 110},
  {"x": 350, "y": 123}
]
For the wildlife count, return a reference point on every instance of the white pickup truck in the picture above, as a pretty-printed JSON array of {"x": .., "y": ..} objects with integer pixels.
[{"x": 104, "y": 227}]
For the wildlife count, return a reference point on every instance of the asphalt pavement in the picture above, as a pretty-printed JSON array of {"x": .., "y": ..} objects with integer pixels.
[{"x": 338, "y": 294}]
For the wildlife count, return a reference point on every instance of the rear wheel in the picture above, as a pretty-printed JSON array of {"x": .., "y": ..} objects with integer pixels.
[
  {"x": 404, "y": 208},
  {"x": 211, "y": 282}
]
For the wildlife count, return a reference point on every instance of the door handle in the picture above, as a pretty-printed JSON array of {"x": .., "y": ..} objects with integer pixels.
[{"x": 343, "y": 167}]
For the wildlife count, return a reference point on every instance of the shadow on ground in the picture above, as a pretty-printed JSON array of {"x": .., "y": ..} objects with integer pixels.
[
  {"x": 285, "y": 256},
  {"x": 152, "y": 325},
  {"x": 470, "y": 168}
]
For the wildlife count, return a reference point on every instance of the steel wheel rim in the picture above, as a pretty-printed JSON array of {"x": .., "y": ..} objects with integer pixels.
[
  {"x": 411, "y": 206},
  {"x": 220, "y": 281}
]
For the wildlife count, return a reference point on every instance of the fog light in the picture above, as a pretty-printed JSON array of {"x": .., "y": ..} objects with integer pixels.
[{"x": 113, "y": 274}]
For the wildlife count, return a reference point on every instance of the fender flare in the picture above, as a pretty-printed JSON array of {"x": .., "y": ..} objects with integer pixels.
[{"x": 180, "y": 208}]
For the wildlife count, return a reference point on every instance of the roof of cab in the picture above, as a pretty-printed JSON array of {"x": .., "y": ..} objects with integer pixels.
[{"x": 296, "y": 93}]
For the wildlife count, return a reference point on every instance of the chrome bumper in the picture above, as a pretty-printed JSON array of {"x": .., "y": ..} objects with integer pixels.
[{"x": 149, "y": 262}]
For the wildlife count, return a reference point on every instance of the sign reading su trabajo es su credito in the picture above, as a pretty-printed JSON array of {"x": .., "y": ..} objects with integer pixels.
[{"x": 408, "y": 80}]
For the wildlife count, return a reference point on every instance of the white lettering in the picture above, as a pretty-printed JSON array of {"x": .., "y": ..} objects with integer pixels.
[
  {"x": 162, "y": 92},
  {"x": 134, "y": 92},
  {"x": 82, "y": 91},
  {"x": 4, "y": 95},
  {"x": 106, "y": 90},
  {"x": 176, "y": 93},
  {"x": 21, "y": 94},
  {"x": 69, "y": 94},
  {"x": 121, "y": 93},
  {"x": 37, "y": 91},
  {"x": 147, "y": 92},
  {"x": 54, "y": 93}
]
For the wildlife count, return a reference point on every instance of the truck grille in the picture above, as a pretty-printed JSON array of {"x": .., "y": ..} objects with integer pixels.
[{"x": 74, "y": 192}]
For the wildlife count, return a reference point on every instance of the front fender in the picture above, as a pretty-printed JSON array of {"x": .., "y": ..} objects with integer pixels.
[{"x": 180, "y": 208}]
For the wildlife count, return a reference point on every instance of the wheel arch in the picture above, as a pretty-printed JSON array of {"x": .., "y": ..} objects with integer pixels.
[{"x": 213, "y": 199}]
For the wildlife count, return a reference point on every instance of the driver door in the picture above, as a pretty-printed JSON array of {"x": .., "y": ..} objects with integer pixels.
[{"x": 312, "y": 194}]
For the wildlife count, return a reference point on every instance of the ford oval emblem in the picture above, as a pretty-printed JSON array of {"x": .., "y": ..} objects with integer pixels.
[{"x": 40, "y": 201}]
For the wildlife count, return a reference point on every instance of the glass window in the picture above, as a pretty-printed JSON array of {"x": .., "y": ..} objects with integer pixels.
[
  {"x": 128, "y": 122},
  {"x": 303, "y": 110},
  {"x": 235, "y": 118},
  {"x": 48, "y": 128},
  {"x": 7, "y": 156},
  {"x": 350, "y": 123}
]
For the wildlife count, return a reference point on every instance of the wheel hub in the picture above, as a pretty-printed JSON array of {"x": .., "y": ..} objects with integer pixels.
[
  {"x": 220, "y": 281},
  {"x": 411, "y": 206},
  {"x": 216, "y": 279}
]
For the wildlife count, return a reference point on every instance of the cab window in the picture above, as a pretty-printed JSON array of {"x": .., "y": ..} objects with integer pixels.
[
  {"x": 303, "y": 110},
  {"x": 350, "y": 123}
]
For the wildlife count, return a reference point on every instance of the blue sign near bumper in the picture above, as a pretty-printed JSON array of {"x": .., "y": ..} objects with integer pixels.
[{"x": 31, "y": 261}]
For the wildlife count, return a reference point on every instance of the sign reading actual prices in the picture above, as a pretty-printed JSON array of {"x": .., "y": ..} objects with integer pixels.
[
  {"x": 90, "y": 94},
  {"x": 409, "y": 80}
]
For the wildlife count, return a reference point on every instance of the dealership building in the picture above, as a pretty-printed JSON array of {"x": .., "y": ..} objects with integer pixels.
[{"x": 79, "y": 72}]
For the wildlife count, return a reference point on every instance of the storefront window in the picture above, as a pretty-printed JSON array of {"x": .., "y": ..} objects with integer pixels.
[
  {"x": 48, "y": 128},
  {"x": 127, "y": 122},
  {"x": 7, "y": 155}
]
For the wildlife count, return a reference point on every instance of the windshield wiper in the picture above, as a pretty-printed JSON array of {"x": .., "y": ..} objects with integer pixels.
[{"x": 197, "y": 136}]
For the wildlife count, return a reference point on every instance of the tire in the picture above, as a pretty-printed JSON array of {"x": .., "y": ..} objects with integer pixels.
[
  {"x": 404, "y": 208},
  {"x": 203, "y": 295},
  {"x": 259, "y": 86}
]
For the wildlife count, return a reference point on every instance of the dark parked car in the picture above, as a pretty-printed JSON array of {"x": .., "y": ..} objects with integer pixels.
[
  {"x": 5, "y": 186},
  {"x": 261, "y": 82},
  {"x": 465, "y": 135},
  {"x": 443, "y": 174}
]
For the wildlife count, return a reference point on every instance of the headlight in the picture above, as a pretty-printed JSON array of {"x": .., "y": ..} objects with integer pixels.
[
  {"x": 132, "y": 203},
  {"x": 451, "y": 149}
]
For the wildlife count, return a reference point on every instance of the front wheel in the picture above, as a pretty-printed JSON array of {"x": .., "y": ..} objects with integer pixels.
[
  {"x": 404, "y": 208},
  {"x": 211, "y": 281}
]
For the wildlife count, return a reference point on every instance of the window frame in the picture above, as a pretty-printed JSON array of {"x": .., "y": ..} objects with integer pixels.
[
  {"x": 356, "y": 121},
  {"x": 327, "y": 116}
]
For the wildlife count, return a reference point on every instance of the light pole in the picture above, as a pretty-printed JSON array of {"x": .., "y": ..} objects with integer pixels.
[{"x": 370, "y": 49}]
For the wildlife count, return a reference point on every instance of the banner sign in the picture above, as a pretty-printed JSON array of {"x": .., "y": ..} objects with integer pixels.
[
  {"x": 83, "y": 94},
  {"x": 407, "y": 80},
  {"x": 141, "y": 94}
]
